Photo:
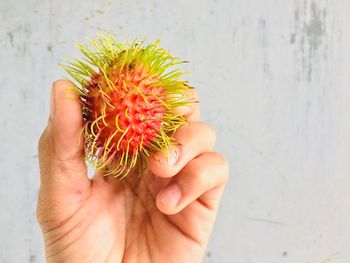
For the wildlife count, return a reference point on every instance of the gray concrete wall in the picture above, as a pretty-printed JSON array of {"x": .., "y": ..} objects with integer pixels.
[{"x": 273, "y": 77}]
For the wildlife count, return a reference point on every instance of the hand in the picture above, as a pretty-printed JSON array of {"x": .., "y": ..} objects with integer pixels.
[{"x": 164, "y": 216}]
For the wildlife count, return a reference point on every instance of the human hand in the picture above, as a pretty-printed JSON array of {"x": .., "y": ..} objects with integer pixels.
[{"x": 164, "y": 216}]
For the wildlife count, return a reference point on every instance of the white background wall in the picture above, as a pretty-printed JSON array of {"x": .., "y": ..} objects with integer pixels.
[{"x": 274, "y": 80}]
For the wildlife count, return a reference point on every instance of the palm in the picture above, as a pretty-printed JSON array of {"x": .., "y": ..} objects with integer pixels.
[{"x": 120, "y": 220}]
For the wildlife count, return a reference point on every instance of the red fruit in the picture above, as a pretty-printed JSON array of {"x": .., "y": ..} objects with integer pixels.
[{"x": 128, "y": 99}]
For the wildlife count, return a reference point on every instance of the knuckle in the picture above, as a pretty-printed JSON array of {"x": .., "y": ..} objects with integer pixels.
[
  {"x": 223, "y": 164},
  {"x": 45, "y": 143},
  {"x": 210, "y": 133},
  {"x": 38, "y": 212},
  {"x": 196, "y": 169},
  {"x": 42, "y": 142},
  {"x": 223, "y": 161},
  {"x": 213, "y": 134},
  {"x": 226, "y": 167},
  {"x": 207, "y": 130}
]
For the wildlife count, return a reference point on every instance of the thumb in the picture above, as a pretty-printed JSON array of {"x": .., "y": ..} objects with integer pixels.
[{"x": 61, "y": 155}]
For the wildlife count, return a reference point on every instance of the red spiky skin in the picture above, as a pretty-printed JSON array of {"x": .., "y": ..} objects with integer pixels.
[
  {"x": 133, "y": 104},
  {"x": 129, "y": 94}
]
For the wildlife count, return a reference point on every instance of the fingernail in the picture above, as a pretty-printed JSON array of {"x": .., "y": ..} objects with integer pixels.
[
  {"x": 52, "y": 103},
  {"x": 171, "y": 158},
  {"x": 171, "y": 196}
]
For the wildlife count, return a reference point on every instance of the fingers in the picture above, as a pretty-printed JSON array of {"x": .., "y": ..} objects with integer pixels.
[
  {"x": 191, "y": 112},
  {"x": 61, "y": 146},
  {"x": 192, "y": 140},
  {"x": 196, "y": 181}
]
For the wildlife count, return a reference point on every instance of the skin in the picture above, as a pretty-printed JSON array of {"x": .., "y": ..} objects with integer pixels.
[{"x": 165, "y": 216}]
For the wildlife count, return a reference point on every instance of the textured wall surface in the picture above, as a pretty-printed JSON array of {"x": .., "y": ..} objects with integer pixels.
[{"x": 274, "y": 80}]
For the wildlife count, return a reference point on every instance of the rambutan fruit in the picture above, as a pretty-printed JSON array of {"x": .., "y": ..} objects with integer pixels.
[{"x": 129, "y": 94}]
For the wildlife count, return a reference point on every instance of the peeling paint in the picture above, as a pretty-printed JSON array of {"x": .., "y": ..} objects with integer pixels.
[
  {"x": 263, "y": 43},
  {"x": 314, "y": 29},
  {"x": 10, "y": 35},
  {"x": 292, "y": 38},
  {"x": 308, "y": 35},
  {"x": 49, "y": 47},
  {"x": 33, "y": 259}
]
